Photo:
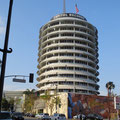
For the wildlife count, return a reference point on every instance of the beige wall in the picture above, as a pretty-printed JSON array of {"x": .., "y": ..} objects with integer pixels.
[
  {"x": 63, "y": 108},
  {"x": 38, "y": 105}
]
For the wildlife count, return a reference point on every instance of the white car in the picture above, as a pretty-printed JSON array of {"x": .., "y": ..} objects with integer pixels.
[
  {"x": 43, "y": 116},
  {"x": 4, "y": 115},
  {"x": 37, "y": 115},
  {"x": 78, "y": 116},
  {"x": 58, "y": 116}
]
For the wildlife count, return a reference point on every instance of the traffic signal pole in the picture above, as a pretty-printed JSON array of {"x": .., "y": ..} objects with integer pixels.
[{"x": 5, "y": 51}]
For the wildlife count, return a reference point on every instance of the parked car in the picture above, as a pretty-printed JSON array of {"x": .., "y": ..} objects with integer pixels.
[
  {"x": 31, "y": 115},
  {"x": 37, "y": 115},
  {"x": 4, "y": 115},
  {"x": 82, "y": 116},
  {"x": 27, "y": 114},
  {"x": 44, "y": 116},
  {"x": 17, "y": 116},
  {"x": 94, "y": 117},
  {"x": 58, "y": 116}
]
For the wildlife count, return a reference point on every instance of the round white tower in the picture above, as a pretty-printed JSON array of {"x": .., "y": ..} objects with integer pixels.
[{"x": 68, "y": 55}]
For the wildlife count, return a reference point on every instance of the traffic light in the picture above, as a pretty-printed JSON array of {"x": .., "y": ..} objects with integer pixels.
[{"x": 31, "y": 76}]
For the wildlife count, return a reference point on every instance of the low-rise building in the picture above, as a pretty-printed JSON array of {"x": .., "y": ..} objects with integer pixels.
[
  {"x": 18, "y": 98},
  {"x": 73, "y": 104}
]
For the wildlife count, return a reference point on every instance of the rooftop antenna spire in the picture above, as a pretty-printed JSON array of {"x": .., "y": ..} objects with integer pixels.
[{"x": 64, "y": 7}]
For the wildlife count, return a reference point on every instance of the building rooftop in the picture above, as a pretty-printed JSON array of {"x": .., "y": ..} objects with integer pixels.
[{"x": 69, "y": 15}]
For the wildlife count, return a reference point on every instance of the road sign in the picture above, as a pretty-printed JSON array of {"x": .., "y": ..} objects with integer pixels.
[{"x": 19, "y": 80}]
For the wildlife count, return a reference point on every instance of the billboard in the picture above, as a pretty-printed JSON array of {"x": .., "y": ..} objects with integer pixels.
[{"x": 85, "y": 104}]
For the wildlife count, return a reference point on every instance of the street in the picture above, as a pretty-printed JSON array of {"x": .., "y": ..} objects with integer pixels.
[
  {"x": 33, "y": 118},
  {"x": 30, "y": 118}
]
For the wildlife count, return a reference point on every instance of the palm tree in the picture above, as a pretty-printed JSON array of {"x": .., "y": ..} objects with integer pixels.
[
  {"x": 46, "y": 97},
  {"x": 29, "y": 92},
  {"x": 29, "y": 100},
  {"x": 51, "y": 100},
  {"x": 110, "y": 86}
]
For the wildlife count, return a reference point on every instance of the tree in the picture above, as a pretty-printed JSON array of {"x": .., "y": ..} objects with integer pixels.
[
  {"x": 46, "y": 97},
  {"x": 29, "y": 92},
  {"x": 5, "y": 104},
  {"x": 51, "y": 100},
  {"x": 29, "y": 100},
  {"x": 110, "y": 86},
  {"x": 17, "y": 102},
  {"x": 11, "y": 103}
]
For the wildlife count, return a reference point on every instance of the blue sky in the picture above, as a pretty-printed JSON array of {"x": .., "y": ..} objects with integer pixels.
[{"x": 29, "y": 15}]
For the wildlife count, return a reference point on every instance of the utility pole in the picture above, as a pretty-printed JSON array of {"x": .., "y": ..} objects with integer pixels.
[{"x": 5, "y": 51}]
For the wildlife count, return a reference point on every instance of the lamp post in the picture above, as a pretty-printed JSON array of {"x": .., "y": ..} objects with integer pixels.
[{"x": 5, "y": 51}]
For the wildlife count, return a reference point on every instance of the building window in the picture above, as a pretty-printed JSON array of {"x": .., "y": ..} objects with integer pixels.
[
  {"x": 81, "y": 69},
  {"x": 66, "y": 61},
  {"x": 67, "y": 22},
  {"x": 67, "y": 34},
  {"x": 80, "y": 48},
  {"x": 55, "y": 23},
  {"x": 80, "y": 76},
  {"x": 66, "y": 41},
  {"x": 66, "y": 28},
  {"x": 66, "y": 75},
  {"x": 80, "y": 23},
  {"x": 66, "y": 47},
  {"x": 80, "y": 62},
  {"x": 52, "y": 36}
]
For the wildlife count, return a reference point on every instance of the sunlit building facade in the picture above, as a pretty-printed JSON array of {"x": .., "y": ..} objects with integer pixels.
[{"x": 68, "y": 55}]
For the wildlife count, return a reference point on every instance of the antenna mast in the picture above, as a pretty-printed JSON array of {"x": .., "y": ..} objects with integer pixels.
[{"x": 64, "y": 7}]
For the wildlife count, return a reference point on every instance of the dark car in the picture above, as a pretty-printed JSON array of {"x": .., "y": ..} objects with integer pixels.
[
  {"x": 5, "y": 115},
  {"x": 17, "y": 116},
  {"x": 32, "y": 115},
  {"x": 27, "y": 114},
  {"x": 94, "y": 117}
]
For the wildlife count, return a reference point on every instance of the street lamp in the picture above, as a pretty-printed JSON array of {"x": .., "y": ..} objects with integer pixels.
[{"x": 5, "y": 51}]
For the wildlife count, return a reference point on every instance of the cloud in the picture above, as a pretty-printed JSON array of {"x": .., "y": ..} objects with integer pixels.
[
  {"x": 2, "y": 26},
  {"x": 13, "y": 88},
  {"x": 2, "y": 30},
  {"x": 1, "y": 22},
  {"x": 103, "y": 93}
]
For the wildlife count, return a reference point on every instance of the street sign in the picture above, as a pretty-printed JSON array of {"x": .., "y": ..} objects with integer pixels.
[{"x": 19, "y": 80}]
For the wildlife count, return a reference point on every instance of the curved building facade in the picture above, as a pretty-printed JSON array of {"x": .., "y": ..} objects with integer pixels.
[{"x": 68, "y": 55}]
